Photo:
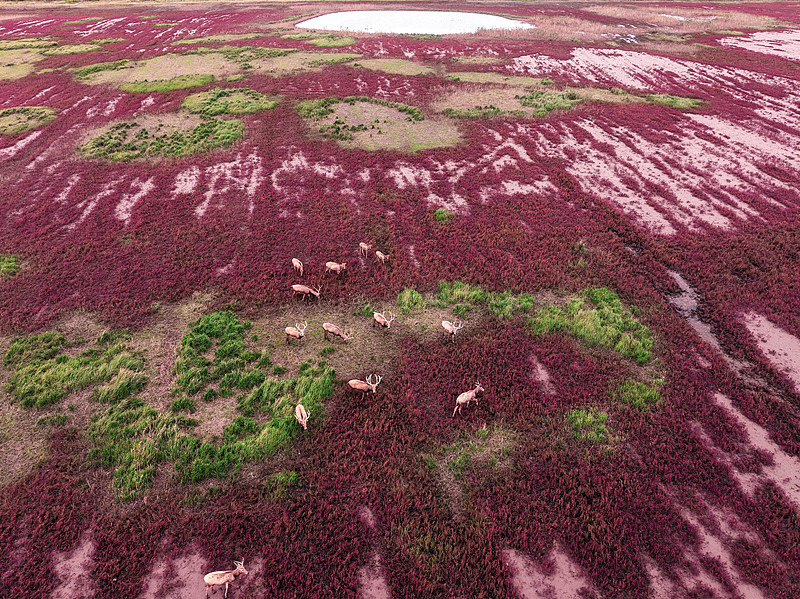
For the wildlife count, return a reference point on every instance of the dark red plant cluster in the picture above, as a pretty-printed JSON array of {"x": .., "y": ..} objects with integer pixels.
[{"x": 547, "y": 207}]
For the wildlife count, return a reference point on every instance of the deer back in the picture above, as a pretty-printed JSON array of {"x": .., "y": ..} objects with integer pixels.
[{"x": 360, "y": 385}]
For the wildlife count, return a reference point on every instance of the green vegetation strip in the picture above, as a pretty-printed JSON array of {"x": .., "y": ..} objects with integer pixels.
[
  {"x": 27, "y": 43},
  {"x": 9, "y": 265},
  {"x": 23, "y": 118},
  {"x": 598, "y": 318},
  {"x": 167, "y": 85},
  {"x": 130, "y": 140},
  {"x": 42, "y": 373},
  {"x": 409, "y": 301},
  {"x": 588, "y": 425},
  {"x": 679, "y": 102},
  {"x": 317, "y": 109},
  {"x": 638, "y": 395},
  {"x": 228, "y": 101}
]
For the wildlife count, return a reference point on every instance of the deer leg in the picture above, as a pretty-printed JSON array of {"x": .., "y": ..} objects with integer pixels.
[{"x": 226, "y": 591}]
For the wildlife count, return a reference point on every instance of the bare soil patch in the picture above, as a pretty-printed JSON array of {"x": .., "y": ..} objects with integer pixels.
[
  {"x": 166, "y": 67},
  {"x": 74, "y": 569},
  {"x": 396, "y": 66},
  {"x": 301, "y": 61},
  {"x": 684, "y": 20}
]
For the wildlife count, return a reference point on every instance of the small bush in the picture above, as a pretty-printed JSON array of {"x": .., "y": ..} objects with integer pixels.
[
  {"x": 638, "y": 395},
  {"x": 9, "y": 265},
  {"x": 443, "y": 216},
  {"x": 588, "y": 425},
  {"x": 410, "y": 300}
]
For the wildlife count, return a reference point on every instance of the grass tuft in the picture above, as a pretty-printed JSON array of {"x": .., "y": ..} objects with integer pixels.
[
  {"x": 228, "y": 101},
  {"x": 409, "y": 301},
  {"x": 9, "y": 265},
  {"x": 167, "y": 85},
  {"x": 588, "y": 425},
  {"x": 638, "y": 395}
]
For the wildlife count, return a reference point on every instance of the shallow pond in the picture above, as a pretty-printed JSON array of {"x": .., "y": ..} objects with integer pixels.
[{"x": 410, "y": 22}]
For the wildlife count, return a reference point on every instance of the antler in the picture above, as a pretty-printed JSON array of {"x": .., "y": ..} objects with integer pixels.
[
  {"x": 392, "y": 316},
  {"x": 374, "y": 376},
  {"x": 303, "y": 328},
  {"x": 458, "y": 325}
]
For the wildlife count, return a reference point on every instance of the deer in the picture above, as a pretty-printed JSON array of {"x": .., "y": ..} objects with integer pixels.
[
  {"x": 369, "y": 385},
  {"x": 304, "y": 290},
  {"x": 331, "y": 329},
  {"x": 302, "y": 416},
  {"x": 298, "y": 266},
  {"x": 466, "y": 397},
  {"x": 335, "y": 267},
  {"x": 452, "y": 328},
  {"x": 381, "y": 319},
  {"x": 382, "y": 257},
  {"x": 363, "y": 248},
  {"x": 225, "y": 577},
  {"x": 296, "y": 332}
]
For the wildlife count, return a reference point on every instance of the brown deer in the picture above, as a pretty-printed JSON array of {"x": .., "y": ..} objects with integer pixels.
[
  {"x": 296, "y": 332},
  {"x": 302, "y": 416},
  {"x": 452, "y": 328},
  {"x": 381, "y": 319},
  {"x": 382, "y": 257},
  {"x": 298, "y": 266},
  {"x": 335, "y": 267},
  {"x": 304, "y": 290},
  {"x": 466, "y": 397},
  {"x": 363, "y": 248},
  {"x": 331, "y": 329},
  {"x": 369, "y": 385},
  {"x": 225, "y": 577}
]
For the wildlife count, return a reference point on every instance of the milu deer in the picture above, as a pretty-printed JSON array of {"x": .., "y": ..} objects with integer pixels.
[
  {"x": 298, "y": 266},
  {"x": 225, "y": 577},
  {"x": 302, "y": 416},
  {"x": 382, "y": 257},
  {"x": 363, "y": 248},
  {"x": 296, "y": 332},
  {"x": 331, "y": 329},
  {"x": 335, "y": 267},
  {"x": 304, "y": 290},
  {"x": 364, "y": 386},
  {"x": 380, "y": 318},
  {"x": 466, "y": 397},
  {"x": 452, "y": 328}
]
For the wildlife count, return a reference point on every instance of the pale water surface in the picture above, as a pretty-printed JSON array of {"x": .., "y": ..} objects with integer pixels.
[{"x": 410, "y": 22}]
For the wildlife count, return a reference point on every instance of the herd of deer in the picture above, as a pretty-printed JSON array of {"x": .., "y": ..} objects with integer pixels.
[{"x": 334, "y": 267}]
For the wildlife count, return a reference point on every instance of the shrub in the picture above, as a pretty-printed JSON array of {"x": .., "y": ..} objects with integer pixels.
[
  {"x": 410, "y": 300},
  {"x": 588, "y": 425},
  {"x": 638, "y": 395},
  {"x": 228, "y": 101},
  {"x": 443, "y": 216}
]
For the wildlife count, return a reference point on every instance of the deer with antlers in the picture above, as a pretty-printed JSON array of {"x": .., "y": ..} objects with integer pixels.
[
  {"x": 225, "y": 577},
  {"x": 302, "y": 416},
  {"x": 331, "y": 329},
  {"x": 363, "y": 248},
  {"x": 380, "y": 318},
  {"x": 452, "y": 328},
  {"x": 466, "y": 397},
  {"x": 382, "y": 257},
  {"x": 364, "y": 386},
  {"x": 296, "y": 332},
  {"x": 335, "y": 267},
  {"x": 305, "y": 291},
  {"x": 298, "y": 266}
]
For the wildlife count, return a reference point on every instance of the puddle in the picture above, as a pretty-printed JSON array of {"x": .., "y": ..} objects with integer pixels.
[
  {"x": 566, "y": 580},
  {"x": 410, "y": 22}
]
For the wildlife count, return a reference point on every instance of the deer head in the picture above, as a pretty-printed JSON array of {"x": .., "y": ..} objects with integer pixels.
[{"x": 373, "y": 380}]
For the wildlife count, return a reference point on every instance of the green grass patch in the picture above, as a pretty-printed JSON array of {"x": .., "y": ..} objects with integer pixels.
[
  {"x": 544, "y": 102},
  {"x": 679, "y": 102},
  {"x": 325, "y": 40},
  {"x": 165, "y": 24},
  {"x": 228, "y": 101},
  {"x": 213, "y": 39},
  {"x": 54, "y": 420},
  {"x": 42, "y": 373},
  {"x": 84, "y": 20},
  {"x": 84, "y": 72},
  {"x": 327, "y": 350},
  {"x": 598, "y": 319},
  {"x": 37, "y": 42},
  {"x": 443, "y": 216},
  {"x": 638, "y": 395},
  {"x": 167, "y": 85},
  {"x": 9, "y": 265},
  {"x": 109, "y": 40},
  {"x": 234, "y": 367},
  {"x": 480, "y": 112},
  {"x": 130, "y": 140},
  {"x": 278, "y": 485},
  {"x": 317, "y": 109},
  {"x": 588, "y": 425},
  {"x": 409, "y": 301},
  {"x": 459, "y": 464},
  {"x": 70, "y": 49},
  {"x": 244, "y": 55},
  {"x": 24, "y": 118}
]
